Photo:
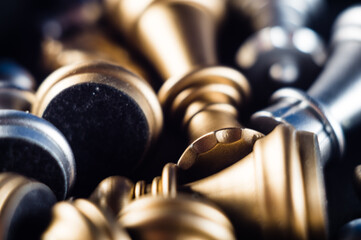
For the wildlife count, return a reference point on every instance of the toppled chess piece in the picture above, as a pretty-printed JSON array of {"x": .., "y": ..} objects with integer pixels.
[
  {"x": 25, "y": 207},
  {"x": 275, "y": 192},
  {"x": 159, "y": 210},
  {"x": 109, "y": 115},
  {"x": 331, "y": 106},
  {"x": 282, "y": 51},
  {"x": 30, "y": 145},
  {"x": 201, "y": 96}
]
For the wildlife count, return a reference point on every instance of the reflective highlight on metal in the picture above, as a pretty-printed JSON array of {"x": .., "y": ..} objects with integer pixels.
[
  {"x": 107, "y": 74},
  {"x": 24, "y": 207},
  {"x": 156, "y": 217},
  {"x": 158, "y": 211},
  {"x": 87, "y": 44},
  {"x": 275, "y": 192},
  {"x": 197, "y": 94},
  {"x": 82, "y": 220},
  {"x": 30, "y": 145},
  {"x": 102, "y": 77},
  {"x": 59, "y": 172},
  {"x": 113, "y": 194},
  {"x": 331, "y": 106},
  {"x": 16, "y": 87},
  {"x": 282, "y": 51},
  {"x": 183, "y": 50},
  {"x": 217, "y": 150}
]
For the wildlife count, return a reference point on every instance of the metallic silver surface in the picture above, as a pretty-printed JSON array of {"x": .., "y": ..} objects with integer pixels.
[
  {"x": 351, "y": 231},
  {"x": 24, "y": 129},
  {"x": 16, "y": 87},
  {"x": 282, "y": 51},
  {"x": 25, "y": 126},
  {"x": 332, "y": 104}
]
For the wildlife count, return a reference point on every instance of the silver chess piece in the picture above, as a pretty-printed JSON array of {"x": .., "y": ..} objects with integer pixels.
[
  {"x": 30, "y": 145},
  {"x": 331, "y": 107},
  {"x": 282, "y": 51}
]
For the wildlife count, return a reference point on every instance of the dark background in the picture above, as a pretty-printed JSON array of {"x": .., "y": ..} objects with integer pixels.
[{"x": 20, "y": 35}]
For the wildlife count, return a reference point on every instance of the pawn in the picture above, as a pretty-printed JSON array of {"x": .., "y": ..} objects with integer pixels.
[
  {"x": 331, "y": 106},
  {"x": 25, "y": 207},
  {"x": 283, "y": 51},
  {"x": 30, "y": 145}
]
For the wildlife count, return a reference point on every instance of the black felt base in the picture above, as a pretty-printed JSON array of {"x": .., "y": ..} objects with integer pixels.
[
  {"x": 31, "y": 160},
  {"x": 106, "y": 129}
]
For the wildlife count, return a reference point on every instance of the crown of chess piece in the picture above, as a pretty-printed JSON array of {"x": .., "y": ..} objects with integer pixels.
[
  {"x": 109, "y": 115},
  {"x": 198, "y": 94},
  {"x": 161, "y": 211},
  {"x": 25, "y": 207},
  {"x": 331, "y": 106},
  {"x": 30, "y": 145},
  {"x": 275, "y": 192},
  {"x": 282, "y": 51},
  {"x": 82, "y": 220}
]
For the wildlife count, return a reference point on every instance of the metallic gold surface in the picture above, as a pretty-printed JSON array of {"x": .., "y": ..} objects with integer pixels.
[
  {"x": 177, "y": 44},
  {"x": 277, "y": 189},
  {"x": 276, "y": 192},
  {"x": 156, "y": 217},
  {"x": 82, "y": 219},
  {"x": 113, "y": 193},
  {"x": 87, "y": 44},
  {"x": 108, "y": 74},
  {"x": 210, "y": 96},
  {"x": 178, "y": 37},
  {"x": 158, "y": 211},
  {"x": 216, "y": 150}
]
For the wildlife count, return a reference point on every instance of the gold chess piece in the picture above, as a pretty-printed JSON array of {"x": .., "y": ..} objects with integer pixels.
[
  {"x": 82, "y": 220},
  {"x": 164, "y": 213},
  {"x": 178, "y": 37},
  {"x": 110, "y": 116},
  {"x": 88, "y": 43},
  {"x": 275, "y": 192}
]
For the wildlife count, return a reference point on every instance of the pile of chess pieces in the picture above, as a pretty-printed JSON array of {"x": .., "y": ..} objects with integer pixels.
[{"x": 147, "y": 126}]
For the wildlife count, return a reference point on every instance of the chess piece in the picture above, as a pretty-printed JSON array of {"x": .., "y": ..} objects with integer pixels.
[
  {"x": 109, "y": 115},
  {"x": 331, "y": 106},
  {"x": 25, "y": 207},
  {"x": 82, "y": 220},
  {"x": 282, "y": 51},
  {"x": 201, "y": 96},
  {"x": 30, "y": 145},
  {"x": 87, "y": 43},
  {"x": 163, "y": 212},
  {"x": 275, "y": 192}
]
